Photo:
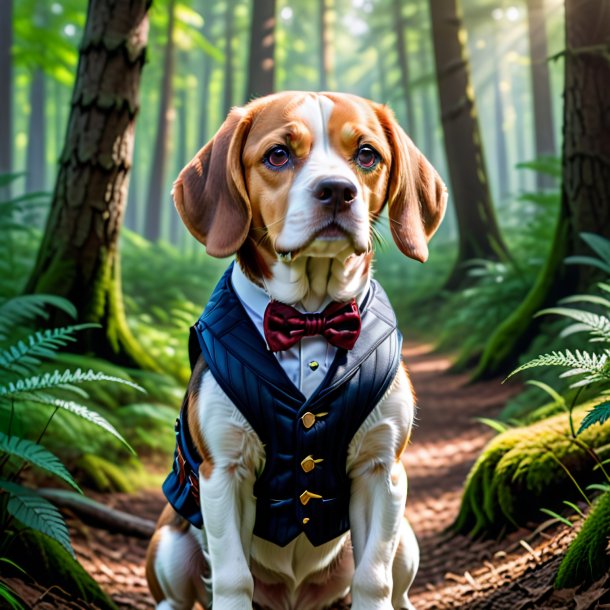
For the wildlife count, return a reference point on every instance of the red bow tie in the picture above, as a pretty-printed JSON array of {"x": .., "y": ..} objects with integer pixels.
[{"x": 284, "y": 326}]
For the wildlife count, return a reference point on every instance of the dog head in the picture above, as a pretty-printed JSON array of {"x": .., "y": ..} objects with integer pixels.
[{"x": 307, "y": 174}]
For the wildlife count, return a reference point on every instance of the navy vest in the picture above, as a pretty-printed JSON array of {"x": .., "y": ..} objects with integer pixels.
[{"x": 304, "y": 486}]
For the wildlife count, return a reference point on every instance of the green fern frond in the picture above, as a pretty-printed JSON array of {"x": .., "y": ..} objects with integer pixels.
[
  {"x": 82, "y": 412},
  {"x": 579, "y": 361},
  {"x": 37, "y": 455},
  {"x": 34, "y": 511},
  {"x": 57, "y": 379},
  {"x": 26, "y": 354},
  {"x": 8, "y": 596},
  {"x": 588, "y": 298},
  {"x": 597, "y": 415},
  {"x": 596, "y": 324},
  {"x": 30, "y": 306}
]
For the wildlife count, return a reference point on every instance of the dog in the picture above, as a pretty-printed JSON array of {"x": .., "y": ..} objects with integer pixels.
[{"x": 288, "y": 462}]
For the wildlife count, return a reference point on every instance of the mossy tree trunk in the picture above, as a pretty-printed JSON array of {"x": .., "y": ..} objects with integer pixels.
[
  {"x": 585, "y": 196},
  {"x": 479, "y": 235},
  {"x": 261, "y": 65},
  {"x": 79, "y": 256}
]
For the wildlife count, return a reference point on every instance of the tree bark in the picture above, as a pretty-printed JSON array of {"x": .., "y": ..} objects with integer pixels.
[
  {"x": 36, "y": 162},
  {"x": 261, "y": 66},
  {"x": 326, "y": 65},
  {"x": 585, "y": 195},
  {"x": 158, "y": 196},
  {"x": 403, "y": 63},
  {"x": 501, "y": 147},
  {"x": 544, "y": 131},
  {"x": 6, "y": 99},
  {"x": 479, "y": 235},
  {"x": 228, "y": 72},
  {"x": 79, "y": 254}
]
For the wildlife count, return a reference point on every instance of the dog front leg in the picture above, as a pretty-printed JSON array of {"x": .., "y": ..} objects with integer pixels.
[
  {"x": 229, "y": 511},
  {"x": 376, "y": 508}
]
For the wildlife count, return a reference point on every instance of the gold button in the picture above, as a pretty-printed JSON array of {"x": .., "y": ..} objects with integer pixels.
[
  {"x": 309, "y": 463},
  {"x": 308, "y": 495},
  {"x": 306, "y": 521},
  {"x": 314, "y": 365},
  {"x": 309, "y": 419}
]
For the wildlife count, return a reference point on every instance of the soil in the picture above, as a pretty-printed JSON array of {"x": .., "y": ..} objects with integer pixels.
[{"x": 456, "y": 572}]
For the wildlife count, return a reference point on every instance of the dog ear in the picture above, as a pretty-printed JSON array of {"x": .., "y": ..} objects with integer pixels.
[
  {"x": 210, "y": 193},
  {"x": 417, "y": 196}
]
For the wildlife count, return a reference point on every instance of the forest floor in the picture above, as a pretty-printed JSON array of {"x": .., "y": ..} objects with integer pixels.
[{"x": 515, "y": 573}]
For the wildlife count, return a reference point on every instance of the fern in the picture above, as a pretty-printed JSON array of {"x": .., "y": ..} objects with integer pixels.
[
  {"x": 578, "y": 362},
  {"x": 29, "y": 307},
  {"x": 597, "y": 415},
  {"x": 82, "y": 412},
  {"x": 35, "y": 512},
  {"x": 26, "y": 354},
  {"x": 37, "y": 455},
  {"x": 56, "y": 379},
  {"x": 597, "y": 325}
]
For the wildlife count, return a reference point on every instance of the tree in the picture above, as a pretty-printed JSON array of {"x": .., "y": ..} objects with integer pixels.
[
  {"x": 158, "y": 197},
  {"x": 541, "y": 86},
  {"x": 228, "y": 71},
  {"x": 36, "y": 151},
  {"x": 6, "y": 99},
  {"x": 479, "y": 235},
  {"x": 261, "y": 65},
  {"x": 585, "y": 193},
  {"x": 403, "y": 62},
  {"x": 326, "y": 66},
  {"x": 78, "y": 256}
]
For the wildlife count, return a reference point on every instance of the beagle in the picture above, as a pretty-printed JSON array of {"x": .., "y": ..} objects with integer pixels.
[{"x": 287, "y": 473}]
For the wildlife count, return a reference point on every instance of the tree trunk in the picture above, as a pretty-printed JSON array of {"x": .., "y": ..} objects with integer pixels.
[
  {"x": 261, "y": 66},
  {"x": 78, "y": 257},
  {"x": 158, "y": 196},
  {"x": 403, "y": 62},
  {"x": 206, "y": 75},
  {"x": 479, "y": 235},
  {"x": 427, "y": 140},
  {"x": 36, "y": 162},
  {"x": 326, "y": 66},
  {"x": 182, "y": 158},
  {"x": 6, "y": 99},
  {"x": 585, "y": 196},
  {"x": 228, "y": 72},
  {"x": 541, "y": 87}
]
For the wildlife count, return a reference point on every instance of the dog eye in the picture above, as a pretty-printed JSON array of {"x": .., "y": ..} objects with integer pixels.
[
  {"x": 278, "y": 156},
  {"x": 367, "y": 157}
]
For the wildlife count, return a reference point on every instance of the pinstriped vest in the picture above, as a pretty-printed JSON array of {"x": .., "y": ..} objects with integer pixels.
[{"x": 304, "y": 486}]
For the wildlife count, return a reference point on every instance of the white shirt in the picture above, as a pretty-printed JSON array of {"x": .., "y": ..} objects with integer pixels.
[{"x": 306, "y": 362}]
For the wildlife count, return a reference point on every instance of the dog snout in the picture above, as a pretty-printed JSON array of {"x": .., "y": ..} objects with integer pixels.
[{"x": 337, "y": 192}]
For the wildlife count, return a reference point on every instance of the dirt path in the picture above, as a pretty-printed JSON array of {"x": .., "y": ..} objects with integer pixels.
[{"x": 455, "y": 572}]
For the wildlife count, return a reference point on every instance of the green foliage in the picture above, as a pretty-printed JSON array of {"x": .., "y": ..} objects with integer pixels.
[
  {"x": 33, "y": 511},
  {"x": 37, "y": 455},
  {"x": 527, "y": 468},
  {"x": 598, "y": 415},
  {"x": 587, "y": 558},
  {"x": 52, "y": 566}
]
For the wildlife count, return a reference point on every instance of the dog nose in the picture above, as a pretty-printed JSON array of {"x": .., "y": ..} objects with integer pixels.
[{"x": 335, "y": 191}]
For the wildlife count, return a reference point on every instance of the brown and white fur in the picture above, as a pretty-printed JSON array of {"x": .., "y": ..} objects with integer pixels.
[{"x": 302, "y": 244}]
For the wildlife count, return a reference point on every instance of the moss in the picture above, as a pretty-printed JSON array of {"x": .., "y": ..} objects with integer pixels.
[
  {"x": 100, "y": 474},
  {"x": 525, "y": 469},
  {"x": 587, "y": 558},
  {"x": 52, "y": 566}
]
